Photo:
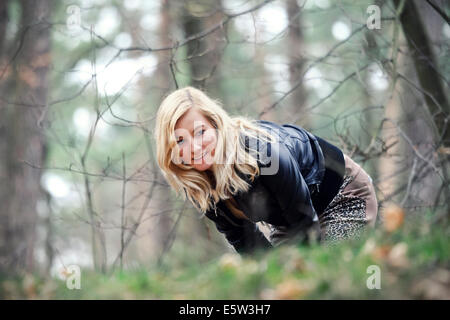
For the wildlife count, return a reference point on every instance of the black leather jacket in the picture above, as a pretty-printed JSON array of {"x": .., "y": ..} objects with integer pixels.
[{"x": 299, "y": 177}]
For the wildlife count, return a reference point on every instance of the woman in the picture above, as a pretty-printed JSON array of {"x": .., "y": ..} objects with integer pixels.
[{"x": 239, "y": 172}]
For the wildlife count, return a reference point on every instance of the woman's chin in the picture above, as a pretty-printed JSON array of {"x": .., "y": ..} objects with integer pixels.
[{"x": 202, "y": 166}]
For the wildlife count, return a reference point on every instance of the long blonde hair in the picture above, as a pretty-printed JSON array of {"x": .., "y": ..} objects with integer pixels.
[{"x": 230, "y": 155}]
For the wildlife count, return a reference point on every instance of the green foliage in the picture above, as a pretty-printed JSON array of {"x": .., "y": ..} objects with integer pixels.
[{"x": 414, "y": 263}]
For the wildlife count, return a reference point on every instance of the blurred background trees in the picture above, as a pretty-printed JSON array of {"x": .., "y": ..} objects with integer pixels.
[{"x": 80, "y": 83}]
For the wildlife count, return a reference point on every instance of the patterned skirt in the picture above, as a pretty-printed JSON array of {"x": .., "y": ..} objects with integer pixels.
[{"x": 351, "y": 210}]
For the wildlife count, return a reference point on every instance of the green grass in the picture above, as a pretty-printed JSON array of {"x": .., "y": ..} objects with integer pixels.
[{"x": 414, "y": 264}]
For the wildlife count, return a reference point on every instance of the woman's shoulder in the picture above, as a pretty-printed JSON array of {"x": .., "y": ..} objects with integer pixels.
[
  {"x": 272, "y": 156},
  {"x": 286, "y": 133}
]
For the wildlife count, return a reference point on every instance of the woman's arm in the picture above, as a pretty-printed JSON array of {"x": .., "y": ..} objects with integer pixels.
[
  {"x": 243, "y": 235},
  {"x": 290, "y": 189}
]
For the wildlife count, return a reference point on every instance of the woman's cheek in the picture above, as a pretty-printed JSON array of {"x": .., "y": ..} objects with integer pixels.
[
  {"x": 182, "y": 154},
  {"x": 209, "y": 138},
  {"x": 186, "y": 155}
]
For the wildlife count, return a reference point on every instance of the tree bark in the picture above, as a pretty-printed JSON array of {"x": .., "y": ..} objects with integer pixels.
[
  {"x": 3, "y": 23},
  {"x": 426, "y": 68},
  {"x": 23, "y": 139},
  {"x": 431, "y": 85},
  {"x": 203, "y": 54},
  {"x": 296, "y": 62},
  {"x": 203, "y": 59},
  {"x": 158, "y": 220}
]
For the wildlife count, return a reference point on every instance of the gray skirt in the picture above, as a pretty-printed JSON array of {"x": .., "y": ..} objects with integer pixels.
[{"x": 351, "y": 210}]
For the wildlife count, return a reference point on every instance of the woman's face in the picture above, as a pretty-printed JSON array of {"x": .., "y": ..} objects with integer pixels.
[{"x": 196, "y": 139}]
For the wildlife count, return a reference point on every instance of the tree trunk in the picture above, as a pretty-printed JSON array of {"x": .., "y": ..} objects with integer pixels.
[
  {"x": 203, "y": 54},
  {"x": 420, "y": 131},
  {"x": 203, "y": 58},
  {"x": 22, "y": 137},
  {"x": 432, "y": 90},
  {"x": 195, "y": 49},
  {"x": 426, "y": 67},
  {"x": 296, "y": 64},
  {"x": 163, "y": 204},
  {"x": 158, "y": 219},
  {"x": 263, "y": 82},
  {"x": 3, "y": 24}
]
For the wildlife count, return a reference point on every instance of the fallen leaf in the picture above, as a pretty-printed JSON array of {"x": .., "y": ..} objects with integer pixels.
[
  {"x": 294, "y": 260},
  {"x": 250, "y": 267},
  {"x": 29, "y": 286},
  {"x": 230, "y": 261},
  {"x": 369, "y": 246},
  {"x": 397, "y": 256},
  {"x": 268, "y": 294},
  {"x": 393, "y": 218},
  {"x": 65, "y": 273},
  {"x": 296, "y": 264},
  {"x": 292, "y": 289},
  {"x": 381, "y": 252}
]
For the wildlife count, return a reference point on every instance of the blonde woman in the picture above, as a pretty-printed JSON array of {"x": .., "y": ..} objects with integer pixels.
[{"x": 238, "y": 172}]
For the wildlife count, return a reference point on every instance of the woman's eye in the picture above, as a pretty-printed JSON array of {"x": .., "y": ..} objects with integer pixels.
[
  {"x": 179, "y": 141},
  {"x": 201, "y": 132}
]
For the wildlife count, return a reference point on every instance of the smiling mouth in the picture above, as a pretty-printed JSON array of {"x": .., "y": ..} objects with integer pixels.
[{"x": 204, "y": 154}]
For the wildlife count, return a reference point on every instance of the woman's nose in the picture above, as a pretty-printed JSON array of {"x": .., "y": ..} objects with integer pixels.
[{"x": 197, "y": 147}]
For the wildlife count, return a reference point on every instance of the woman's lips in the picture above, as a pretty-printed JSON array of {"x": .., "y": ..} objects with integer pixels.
[{"x": 202, "y": 156}]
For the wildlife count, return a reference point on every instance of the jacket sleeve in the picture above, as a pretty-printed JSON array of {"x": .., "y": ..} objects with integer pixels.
[
  {"x": 289, "y": 188},
  {"x": 243, "y": 235}
]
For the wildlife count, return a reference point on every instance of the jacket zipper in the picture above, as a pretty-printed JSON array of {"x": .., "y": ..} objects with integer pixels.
[{"x": 215, "y": 209}]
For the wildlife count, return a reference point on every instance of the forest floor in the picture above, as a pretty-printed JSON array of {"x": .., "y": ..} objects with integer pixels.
[{"x": 401, "y": 259}]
